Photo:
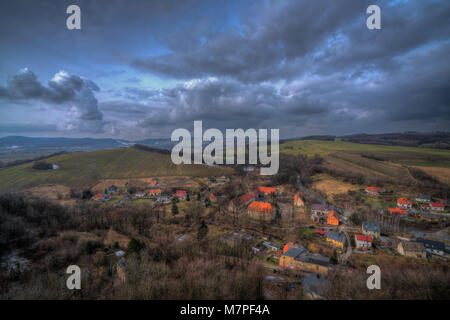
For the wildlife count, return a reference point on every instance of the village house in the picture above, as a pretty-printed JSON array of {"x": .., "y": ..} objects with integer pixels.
[
  {"x": 398, "y": 211},
  {"x": 140, "y": 195},
  {"x": 423, "y": 199},
  {"x": 436, "y": 206},
  {"x": 384, "y": 242},
  {"x": 181, "y": 194},
  {"x": 212, "y": 197},
  {"x": 298, "y": 201},
  {"x": 363, "y": 242},
  {"x": 373, "y": 191},
  {"x": 336, "y": 239},
  {"x": 404, "y": 203},
  {"x": 154, "y": 192},
  {"x": 433, "y": 247},
  {"x": 371, "y": 228},
  {"x": 298, "y": 258},
  {"x": 102, "y": 197},
  {"x": 163, "y": 199},
  {"x": 271, "y": 246},
  {"x": 266, "y": 191},
  {"x": 320, "y": 209},
  {"x": 260, "y": 210},
  {"x": 246, "y": 198},
  {"x": 333, "y": 218},
  {"x": 412, "y": 249},
  {"x": 315, "y": 218}
]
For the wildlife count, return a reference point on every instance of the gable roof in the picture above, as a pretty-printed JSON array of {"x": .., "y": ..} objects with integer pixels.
[
  {"x": 267, "y": 190},
  {"x": 361, "y": 237},
  {"x": 333, "y": 235},
  {"x": 321, "y": 207},
  {"x": 404, "y": 201},
  {"x": 373, "y": 189},
  {"x": 181, "y": 193},
  {"x": 260, "y": 206},
  {"x": 373, "y": 226},
  {"x": 437, "y": 205},
  {"x": 246, "y": 197},
  {"x": 397, "y": 210}
]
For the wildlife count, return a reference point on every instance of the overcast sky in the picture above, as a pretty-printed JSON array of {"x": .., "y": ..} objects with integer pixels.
[{"x": 139, "y": 68}]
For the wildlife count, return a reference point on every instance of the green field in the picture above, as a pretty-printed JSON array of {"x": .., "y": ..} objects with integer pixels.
[
  {"x": 324, "y": 148},
  {"x": 87, "y": 168}
]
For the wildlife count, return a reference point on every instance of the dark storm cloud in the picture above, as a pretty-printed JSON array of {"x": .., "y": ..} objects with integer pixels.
[
  {"x": 62, "y": 88},
  {"x": 306, "y": 67},
  {"x": 290, "y": 38},
  {"x": 221, "y": 103}
]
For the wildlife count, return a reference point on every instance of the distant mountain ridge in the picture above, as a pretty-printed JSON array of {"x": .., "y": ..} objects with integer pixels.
[{"x": 18, "y": 147}]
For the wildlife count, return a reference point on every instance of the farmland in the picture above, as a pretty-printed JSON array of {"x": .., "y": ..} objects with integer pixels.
[{"x": 88, "y": 168}]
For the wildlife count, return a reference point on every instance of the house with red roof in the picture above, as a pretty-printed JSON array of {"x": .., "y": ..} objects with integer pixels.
[
  {"x": 362, "y": 241},
  {"x": 404, "y": 203},
  {"x": 154, "y": 192},
  {"x": 212, "y": 197},
  {"x": 397, "y": 211},
  {"x": 321, "y": 232},
  {"x": 258, "y": 210},
  {"x": 436, "y": 206},
  {"x": 266, "y": 190},
  {"x": 181, "y": 194},
  {"x": 247, "y": 197},
  {"x": 373, "y": 191}
]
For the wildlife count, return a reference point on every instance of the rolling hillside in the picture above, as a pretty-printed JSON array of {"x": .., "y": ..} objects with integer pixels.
[
  {"x": 87, "y": 168},
  {"x": 388, "y": 163},
  {"x": 324, "y": 148}
]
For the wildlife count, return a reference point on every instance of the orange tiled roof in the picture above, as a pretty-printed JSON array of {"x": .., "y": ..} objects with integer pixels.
[
  {"x": 260, "y": 206},
  {"x": 267, "y": 190},
  {"x": 404, "y": 201},
  {"x": 154, "y": 191},
  {"x": 397, "y": 210},
  {"x": 374, "y": 189},
  {"x": 333, "y": 218}
]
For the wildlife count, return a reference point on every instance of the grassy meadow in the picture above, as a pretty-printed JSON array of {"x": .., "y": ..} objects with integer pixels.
[{"x": 87, "y": 168}]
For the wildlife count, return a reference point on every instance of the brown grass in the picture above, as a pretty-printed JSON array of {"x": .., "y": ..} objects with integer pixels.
[
  {"x": 331, "y": 186},
  {"x": 50, "y": 191},
  {"x": 440, "y": 173}
]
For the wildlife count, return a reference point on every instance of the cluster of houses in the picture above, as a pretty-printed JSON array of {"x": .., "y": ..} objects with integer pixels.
[
  {"x": 296, "y": 257},
  {"x": 324, "y": 213},
  {"x": 257, "y": 203}
]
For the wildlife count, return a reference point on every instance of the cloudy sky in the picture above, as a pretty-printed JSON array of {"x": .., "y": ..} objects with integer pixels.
[{"x": 140, "y": 68}]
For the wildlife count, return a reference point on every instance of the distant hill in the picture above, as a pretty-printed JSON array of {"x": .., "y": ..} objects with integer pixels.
[
  {"x": 18, "y": 148},
  {"x": 87, "y": 168},
  {"x": 439, "y": 140}
]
